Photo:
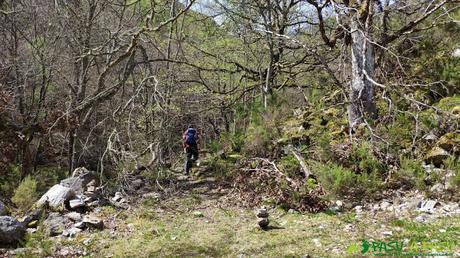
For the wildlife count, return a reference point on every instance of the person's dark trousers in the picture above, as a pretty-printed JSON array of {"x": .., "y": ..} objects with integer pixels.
[{"x": 191, "y": 156}]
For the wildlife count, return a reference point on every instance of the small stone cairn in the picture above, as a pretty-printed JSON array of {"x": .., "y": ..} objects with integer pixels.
[{"x": 262, "y": 217}]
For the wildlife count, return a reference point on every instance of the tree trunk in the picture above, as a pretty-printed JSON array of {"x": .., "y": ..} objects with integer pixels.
[
  {"x": 72, "y": 149},
  {"x": 362, "y": 89}
]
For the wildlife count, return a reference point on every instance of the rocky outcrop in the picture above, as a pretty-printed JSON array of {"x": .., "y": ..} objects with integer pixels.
[
  {"x": 56, "y": 197},
  {"x": 11, "y": 231},
  {"x": 81, "y": 179}
]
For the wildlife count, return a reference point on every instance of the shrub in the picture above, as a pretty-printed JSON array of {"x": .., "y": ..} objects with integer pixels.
[
  {"x": 9, "y": 180},
  {"x": 227, "y": 142},
  {"x": 220, "y": 168},
  {"x": 323, "y": 149},
  {"x": 411, "y": 174},
  {"x": 400, "y": 131},
  {"x": 289, "y": 165},
  {"x": 367, "y": 162},
  {"x": 257, "y": 142},
  {"x": 341, "y": 182},
  {"x": 25, "y": 194},
  {"x": 454, "y": 165},
  {"x": 49, "y": 176},
  {"x": 359, "y": 158}
]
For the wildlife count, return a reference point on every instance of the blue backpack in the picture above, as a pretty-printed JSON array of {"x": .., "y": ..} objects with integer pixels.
[{"x": 190, "y": 136}]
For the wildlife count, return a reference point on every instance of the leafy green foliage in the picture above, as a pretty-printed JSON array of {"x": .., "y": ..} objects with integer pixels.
[
  {"x": 26, "y": 193},
  {"x": 341, "y": 182},
  {"x": 227, "y": 142},
  {"x": 289, "y": 165},
  {"x": 220, "y": 168},
  {"x": 363, "y": 156},
  {"x": 453, "y": 165},
  {"x": 400, "y": 131},
  {"x": 10, "y": 180},
  {"x": 257, "y": 141},
  {"x": 49, "y": 176},
  {"x": 411, "y": 174}
]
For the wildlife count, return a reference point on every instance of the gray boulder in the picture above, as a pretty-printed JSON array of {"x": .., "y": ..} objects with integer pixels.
[
  {"x": 11, "y": 230},
  {"x": 93, "y": 221},
  {"x": 56, "y": 196},
  {"x": 55, "y": 224},
  {"x": 74, "y": 216},
  {"x": 3, "y": 209},
  {"x": 80, "y": 180}
]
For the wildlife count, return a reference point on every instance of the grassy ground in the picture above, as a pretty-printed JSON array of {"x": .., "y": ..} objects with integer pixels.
[{"x": 195, "y": 224}]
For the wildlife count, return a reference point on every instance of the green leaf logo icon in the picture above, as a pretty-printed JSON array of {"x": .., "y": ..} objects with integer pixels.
[{"x": 365, "y": 246}]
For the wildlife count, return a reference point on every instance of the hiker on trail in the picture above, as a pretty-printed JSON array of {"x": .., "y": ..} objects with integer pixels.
[{"x": 190, "y": 147}]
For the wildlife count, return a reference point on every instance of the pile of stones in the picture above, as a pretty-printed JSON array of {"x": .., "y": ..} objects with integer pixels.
[{"x": 262, "y": 217}]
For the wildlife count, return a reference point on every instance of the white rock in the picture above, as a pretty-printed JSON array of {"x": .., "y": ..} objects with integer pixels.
[
  {"x": 118, "y": 196},
  {"x": 420, "y": 219},
  {"x": 31, "y": 230},
  {"x": 349, "y": 227},
  {"x": 87, "y": 241},
  {"x": 456, "y": 53},
  {"x": 80, "y": 225},
  {"x": 56, "y": 196},
  {"x": 384, "y": 205},
  {"x": 71, "y": 232},
  {"x": 262, "y": 213},
  {"x": 76, "y": 203},
  {"x": 428, "y": 206},
  {"x": 375, "y": 207}
]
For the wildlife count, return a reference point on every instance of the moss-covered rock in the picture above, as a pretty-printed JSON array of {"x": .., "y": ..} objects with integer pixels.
[
  {"x": 450, "y": 142},
  {"x": 456, "y": 110},
  {"x": 449, "y": 103},
  {"x": 295, "y": 130},
  {"x": 307, "y": 126},
  {"x": 436, "y": 156}
]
